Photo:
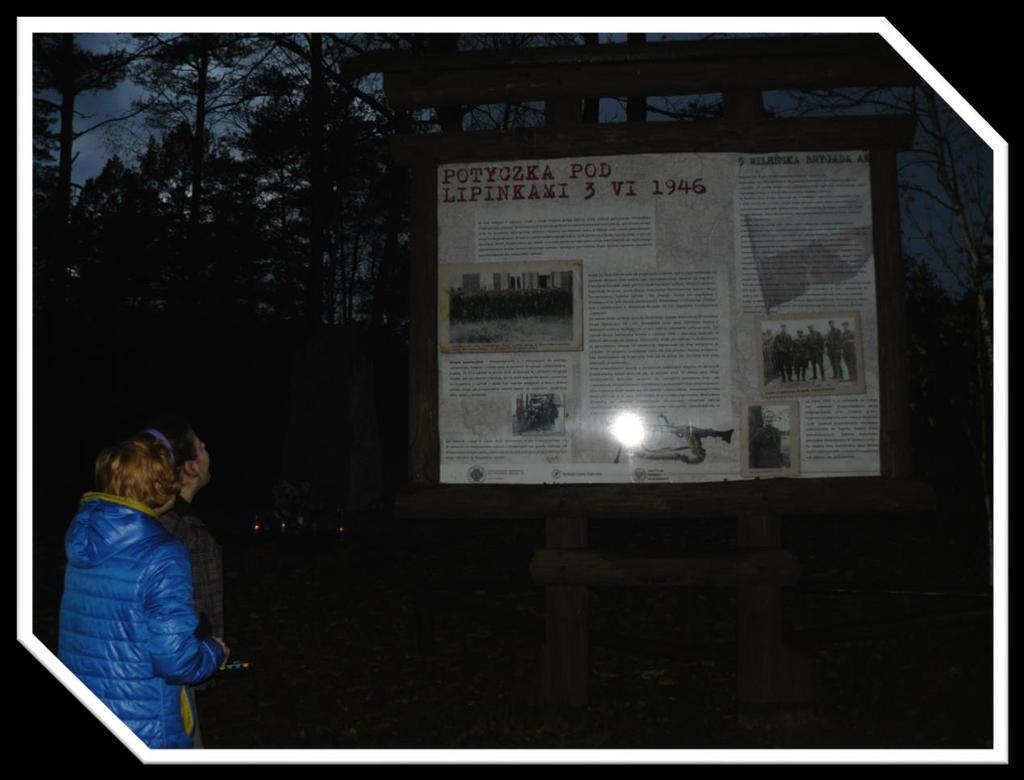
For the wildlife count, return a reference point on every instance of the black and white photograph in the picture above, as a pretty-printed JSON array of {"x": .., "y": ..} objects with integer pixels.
[
  {"x": 771, "y": 439},
  {"x": 819, "y": 353},
  {"x": 661, "y": 438},
  {"x": 539, "y": 414},
  {"x": 506, "y": 307}
]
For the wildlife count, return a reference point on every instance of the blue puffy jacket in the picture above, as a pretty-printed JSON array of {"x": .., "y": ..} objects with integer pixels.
[{"x": 127, "y": 619}]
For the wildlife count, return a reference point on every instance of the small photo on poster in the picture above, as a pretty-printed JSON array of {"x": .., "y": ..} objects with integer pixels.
[
  {"x": 771, "y": 439},
  {"x": 510, "y": 307},
  {"x": 539, "y": 414},
  {"x": 673, "y": 440},
  {"x": 817, "y": 353}
]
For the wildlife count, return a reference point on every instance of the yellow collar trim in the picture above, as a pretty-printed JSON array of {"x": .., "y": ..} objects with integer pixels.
[{"x": 122, "y": 500}]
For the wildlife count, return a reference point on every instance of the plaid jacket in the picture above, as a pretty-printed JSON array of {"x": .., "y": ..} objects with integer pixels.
[{"x": 207, "y": 566}]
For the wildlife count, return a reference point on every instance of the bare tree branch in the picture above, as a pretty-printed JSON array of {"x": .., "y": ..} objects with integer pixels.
[{"x": 78, "y": 134}]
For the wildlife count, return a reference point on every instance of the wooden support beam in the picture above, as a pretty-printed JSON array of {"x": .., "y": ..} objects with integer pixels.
[
  {"x": 718, "y": 570},
  {"x": 428, "y": 64},
  {"x": 450, "y": 118},
  {"x": 809, "y": 134},
  {"x": 636, "y": 103},
  {"x": 744, "y": 105},
  {"x": 424, "y": 455},
  {"x": 894, "y": 394},
  {"x": 833, "y": 496},
  {"x": 405, "y": 91},
  {"x": 566, "y": 662},
  {"x": 769, "y": 673},
  {"x": 759, "y": 531},
  {"x": 592, "y": 105},
  {"x": 565, "y": 111},
  {"x": 568, "y": 532},
  {"x": 417, "y": 80}
]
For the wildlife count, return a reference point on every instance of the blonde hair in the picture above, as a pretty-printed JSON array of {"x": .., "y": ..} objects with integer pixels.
[{"x": 138, "y": 468}]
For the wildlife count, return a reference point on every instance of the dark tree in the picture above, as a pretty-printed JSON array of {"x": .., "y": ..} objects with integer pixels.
[
  {"x": 196, "y": 81},
  {"x": 63, "y": 68}
]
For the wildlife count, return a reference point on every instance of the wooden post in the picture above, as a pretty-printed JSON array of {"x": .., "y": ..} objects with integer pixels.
[
  {"x": 450, "y": 118},
  {"x": 424, "y": 441},
  {"x": 566, "y": 662},
  {"x": 893, "y": 390},
  {"x": 565, "y": 111},
  {"x": 636, "y": 105},
  {"x": 744, "y": 105},
  {"x": 771, "y": 677}
]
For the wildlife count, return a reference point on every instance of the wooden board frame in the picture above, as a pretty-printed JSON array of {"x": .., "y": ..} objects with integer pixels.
[
  {"x": 881, "y": 136},
  {"x": 768, "y": 671}
]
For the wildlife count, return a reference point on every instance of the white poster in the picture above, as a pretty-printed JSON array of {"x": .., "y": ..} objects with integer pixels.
[{"x": 657, "y": 318}]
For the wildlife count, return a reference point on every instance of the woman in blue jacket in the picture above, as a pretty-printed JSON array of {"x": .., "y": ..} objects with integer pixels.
[{"x": 127, "y": 618}]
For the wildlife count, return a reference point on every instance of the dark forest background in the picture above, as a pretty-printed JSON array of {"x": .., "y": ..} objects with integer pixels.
[{"x": 242, "y": 257}]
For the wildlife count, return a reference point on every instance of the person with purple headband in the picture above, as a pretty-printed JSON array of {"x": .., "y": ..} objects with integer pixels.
[
  {"x": 192, "y": 463},
  {"x": 163, "y": 440}
]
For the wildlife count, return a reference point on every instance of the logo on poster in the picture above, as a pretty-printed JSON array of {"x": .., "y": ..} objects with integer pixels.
[{"x": 476, "y": 474}]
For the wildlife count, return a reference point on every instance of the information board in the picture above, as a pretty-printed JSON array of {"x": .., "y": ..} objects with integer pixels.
[{"x": 657, "y": 318}]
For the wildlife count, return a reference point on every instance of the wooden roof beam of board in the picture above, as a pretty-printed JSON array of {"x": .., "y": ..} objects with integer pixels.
[{"x": 424, "y": 80}]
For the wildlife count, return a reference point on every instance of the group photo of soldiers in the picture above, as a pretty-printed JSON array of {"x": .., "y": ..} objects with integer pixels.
[
  {"x": 811, "y": 353},
  {"x": 503, "y": 304}
]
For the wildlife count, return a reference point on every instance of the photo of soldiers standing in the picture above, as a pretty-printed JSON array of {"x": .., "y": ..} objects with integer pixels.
[
  {"x": 816, "y": 352},
  {"x": 850, "y": 352},
  {"x": 834, "y": 345},
  {"x": 793, "y": 359}
]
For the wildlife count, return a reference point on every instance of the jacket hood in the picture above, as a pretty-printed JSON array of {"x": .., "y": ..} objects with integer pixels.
[{"x": 105, "y": 525}]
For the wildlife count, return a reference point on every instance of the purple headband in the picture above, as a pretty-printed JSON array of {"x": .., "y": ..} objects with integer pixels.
[{"x": 163, "y": 440}]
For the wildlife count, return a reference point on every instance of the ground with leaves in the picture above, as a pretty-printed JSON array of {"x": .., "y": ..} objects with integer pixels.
[{"x": 429, "y": 636}]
